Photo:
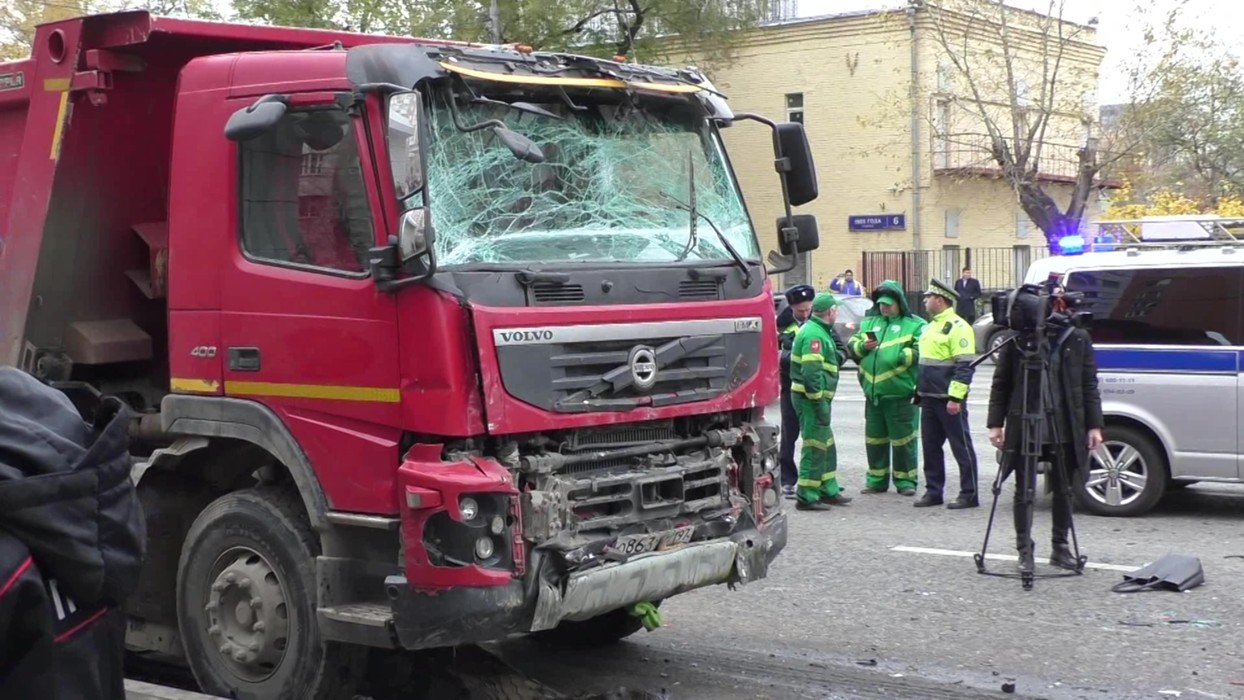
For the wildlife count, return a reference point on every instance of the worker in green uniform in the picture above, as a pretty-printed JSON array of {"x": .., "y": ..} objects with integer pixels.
[
  {"x": 814, "y": 378},
  {"x": 886, "y": 348}
]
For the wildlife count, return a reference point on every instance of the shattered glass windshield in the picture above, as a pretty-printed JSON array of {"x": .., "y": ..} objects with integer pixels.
[{"x": 615, "y": 185}]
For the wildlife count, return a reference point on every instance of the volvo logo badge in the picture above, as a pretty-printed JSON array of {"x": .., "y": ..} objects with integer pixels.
[{"x": 643, "y": 367}]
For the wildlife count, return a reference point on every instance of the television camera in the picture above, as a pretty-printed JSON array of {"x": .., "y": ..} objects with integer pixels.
[{"x": 1040, "y": 317}]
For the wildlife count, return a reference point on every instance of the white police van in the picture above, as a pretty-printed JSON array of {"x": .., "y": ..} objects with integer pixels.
[{"x": 1168, "y": 335}]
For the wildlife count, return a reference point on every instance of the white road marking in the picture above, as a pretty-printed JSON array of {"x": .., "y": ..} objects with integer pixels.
[{"x": 1004, "y": 557}]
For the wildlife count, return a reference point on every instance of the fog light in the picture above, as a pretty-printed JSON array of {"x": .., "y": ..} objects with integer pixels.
[
  {"x": 497, "y": 525},
  {"x": 469, "y": 509},
  {"x": 769, "y": 464},
  {"x": 483, "y": 548},
  {"x": 771, "y": 498}
]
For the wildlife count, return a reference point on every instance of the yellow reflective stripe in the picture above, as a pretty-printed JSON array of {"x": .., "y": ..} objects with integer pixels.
[
  {"x": 575, "y": 82},
  {"x": 193, "y": 386},
  {"x": 896, "y": 341},
  {"x": 817, "y": 444},
  {"x": 958, "y": 390},
  {"x": 832, "y": 369},
  {"x": 878, "y": 472},
  {"x": 903, "y": 441},
  {"x": 315, "y": 391},
  {"x": 930, "y": 362},
  {"x": 906, "y": 476},
  {"x": 811, "y": 357},
  {"x": 814, "y": 395},
  {"x": 877, "y": 441},
  {"x": 809, "y": 483}
]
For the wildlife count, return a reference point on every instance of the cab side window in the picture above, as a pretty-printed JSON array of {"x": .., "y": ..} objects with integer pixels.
[
  {"x": 303, "y": 198},
  {"x": 1163, "y": 306}
]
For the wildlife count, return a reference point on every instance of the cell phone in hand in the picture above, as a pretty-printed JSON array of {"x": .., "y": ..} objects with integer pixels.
[{"x": 872, "y": 335}]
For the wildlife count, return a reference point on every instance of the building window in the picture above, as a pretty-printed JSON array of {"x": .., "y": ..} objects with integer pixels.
[
  {"x": 303, "y": 201},
  {"x": 794, "y": 107},
  {"x": 952, "y": 223},
  {"x": 1023, "y": 225},
  {"x": 1163, "y": 306},
  {"x": 941, "y": 135}
]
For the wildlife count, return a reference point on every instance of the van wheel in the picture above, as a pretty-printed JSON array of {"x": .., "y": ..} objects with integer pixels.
[
  {"x": 995, "y": 341},
  {"x": 246, "y": 600},
  {"x": 1126, "y": 475}
]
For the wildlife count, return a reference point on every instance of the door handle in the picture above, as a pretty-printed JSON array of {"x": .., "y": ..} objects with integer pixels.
[{"x": 244, "y": 359}]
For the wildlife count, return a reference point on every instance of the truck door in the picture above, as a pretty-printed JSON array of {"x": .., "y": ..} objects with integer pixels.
[{"x": 303, "y": 327}]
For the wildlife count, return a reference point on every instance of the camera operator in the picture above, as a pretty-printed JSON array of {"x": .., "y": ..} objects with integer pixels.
[{"x": 1072, "y": 379}]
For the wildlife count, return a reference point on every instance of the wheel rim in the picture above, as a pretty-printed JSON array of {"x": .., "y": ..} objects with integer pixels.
[
  {"x": 247, "y": 614},
  {"x": 1118, "y": 474}
]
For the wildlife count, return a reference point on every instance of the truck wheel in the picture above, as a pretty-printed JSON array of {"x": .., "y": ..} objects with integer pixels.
[
  {"x": 598, "y": 631},
  {"x": 246, "y": 599},
  {"x": 1126, "y": 475}
]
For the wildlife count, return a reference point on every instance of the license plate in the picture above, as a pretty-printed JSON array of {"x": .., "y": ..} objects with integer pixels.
[{"x": 631, "y": 545}]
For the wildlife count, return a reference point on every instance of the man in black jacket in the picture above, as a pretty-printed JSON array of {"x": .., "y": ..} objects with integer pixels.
[
  {"x": 1077, "y": 410},
  {"x": 72, "y": 539},
  {"x": 969, "y": 290},
  {"x": 798, "y": 309}
]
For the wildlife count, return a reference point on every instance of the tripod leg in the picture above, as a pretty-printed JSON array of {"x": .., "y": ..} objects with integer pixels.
[
  {"x": 1003, "y": 472},
  {"x": 1025, "y": 486}
]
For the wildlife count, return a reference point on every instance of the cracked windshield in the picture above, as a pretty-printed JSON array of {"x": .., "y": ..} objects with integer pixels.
[{"x": 615, "y": 185}]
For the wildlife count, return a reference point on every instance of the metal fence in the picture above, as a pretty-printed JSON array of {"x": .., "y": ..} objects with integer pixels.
[{"x": 996, "y": 268}]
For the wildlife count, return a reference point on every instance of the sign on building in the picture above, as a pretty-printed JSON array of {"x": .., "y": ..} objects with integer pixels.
[{"x": 877, "y": 222}]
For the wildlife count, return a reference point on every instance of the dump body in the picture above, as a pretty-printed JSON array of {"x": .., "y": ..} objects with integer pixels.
[{"x": 510, "y": 445}]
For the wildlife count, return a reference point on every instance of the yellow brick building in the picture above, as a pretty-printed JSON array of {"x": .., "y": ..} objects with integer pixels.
[{"x": 882, "y": 151}]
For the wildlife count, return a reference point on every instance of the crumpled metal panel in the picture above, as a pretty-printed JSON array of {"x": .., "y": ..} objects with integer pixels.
[{"x": 651, "y": 577}]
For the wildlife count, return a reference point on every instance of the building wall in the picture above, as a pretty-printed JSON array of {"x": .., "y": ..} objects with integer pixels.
[{"x": 854, "y": 75}]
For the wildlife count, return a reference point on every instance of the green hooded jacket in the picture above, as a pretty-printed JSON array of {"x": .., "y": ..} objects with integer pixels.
[{"x": 891, "y": 370}]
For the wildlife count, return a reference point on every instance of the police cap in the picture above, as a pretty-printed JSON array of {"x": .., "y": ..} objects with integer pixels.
[
  {"x": 941, "y": 289},
  {"x": 800, "y": 293}
]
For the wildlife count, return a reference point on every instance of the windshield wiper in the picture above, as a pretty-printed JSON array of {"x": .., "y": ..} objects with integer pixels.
[{"x": 695, "y": 214}]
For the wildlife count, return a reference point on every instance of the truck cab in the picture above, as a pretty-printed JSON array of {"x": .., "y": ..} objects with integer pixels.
[{"x": 428, "y": 343}]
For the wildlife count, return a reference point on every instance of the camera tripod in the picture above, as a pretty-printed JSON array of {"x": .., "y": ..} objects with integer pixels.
[{"x": 1037, "y": 417}]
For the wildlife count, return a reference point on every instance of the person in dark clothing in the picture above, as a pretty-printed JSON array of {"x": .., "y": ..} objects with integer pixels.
[
  {"x": 72, "y": 538},
  {"x": 1077, "y": 408},
  {"x": 969, "y": 290},
  {"x": 798, "y": 309}
]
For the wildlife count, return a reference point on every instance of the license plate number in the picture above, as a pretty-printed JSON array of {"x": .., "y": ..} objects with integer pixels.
[{"x": 639, "y": 544}]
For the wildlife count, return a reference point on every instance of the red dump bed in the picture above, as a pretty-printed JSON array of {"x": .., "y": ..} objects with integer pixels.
[{"x": 85, "y": 130}]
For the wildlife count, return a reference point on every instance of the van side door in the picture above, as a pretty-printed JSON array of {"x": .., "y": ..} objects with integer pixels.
[{"x": 1168, "y": 341}]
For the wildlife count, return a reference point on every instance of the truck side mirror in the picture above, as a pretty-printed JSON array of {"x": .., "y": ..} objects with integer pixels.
[
  {"x": 250, "y": 122},
  {"x": 799, "y": 234},
  {"x": 790, "y": 143},
  {"x": 414, "y": 244}
]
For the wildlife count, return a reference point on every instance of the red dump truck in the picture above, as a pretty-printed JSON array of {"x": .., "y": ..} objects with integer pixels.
[{"x": 429, "y": 343}]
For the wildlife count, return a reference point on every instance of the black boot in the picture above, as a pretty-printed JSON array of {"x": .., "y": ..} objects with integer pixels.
[
  {"x": 1023, "y": 537},
  {"x": 1060, "y": 550}
]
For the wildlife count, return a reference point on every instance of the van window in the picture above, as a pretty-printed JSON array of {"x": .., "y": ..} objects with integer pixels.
[{"x": 1163, "y": 306}]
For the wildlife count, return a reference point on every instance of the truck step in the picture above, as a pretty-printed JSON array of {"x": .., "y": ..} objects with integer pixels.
[{"x": 370, "y": 614}]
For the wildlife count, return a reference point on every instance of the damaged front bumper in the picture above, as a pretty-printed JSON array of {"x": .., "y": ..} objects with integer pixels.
[{"x": 424, "y": 619}]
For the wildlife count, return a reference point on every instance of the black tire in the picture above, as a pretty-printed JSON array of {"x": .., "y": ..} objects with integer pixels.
[
  {"x": 603, "y": 630},
  {"x": 260, "y": 533},
  {"x": 1149, "y": 457}
]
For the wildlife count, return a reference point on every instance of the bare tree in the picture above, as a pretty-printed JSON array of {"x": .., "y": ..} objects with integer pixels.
[{"x": 1026, "y": 83}]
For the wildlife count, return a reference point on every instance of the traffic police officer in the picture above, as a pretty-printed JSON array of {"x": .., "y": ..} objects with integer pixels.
[
  {"x": 798, "y": 309},
  {"x": 947, "y": 348},
  {"x": 814, "y": 379}
]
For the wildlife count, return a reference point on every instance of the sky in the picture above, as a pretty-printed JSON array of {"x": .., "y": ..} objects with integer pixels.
[{"x": 1115, "y": 29}]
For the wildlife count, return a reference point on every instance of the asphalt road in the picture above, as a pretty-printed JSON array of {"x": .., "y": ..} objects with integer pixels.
[{"x": 859, "y": 607}]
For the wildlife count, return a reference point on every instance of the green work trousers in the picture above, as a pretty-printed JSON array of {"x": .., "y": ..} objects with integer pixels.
[
  {"x": 818, "y": 461},
  {"x": 891, "y": 423}
]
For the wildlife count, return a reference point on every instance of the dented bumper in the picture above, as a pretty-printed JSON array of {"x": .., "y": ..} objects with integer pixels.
[{"x": 423, "y": 619}]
